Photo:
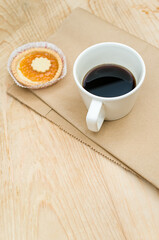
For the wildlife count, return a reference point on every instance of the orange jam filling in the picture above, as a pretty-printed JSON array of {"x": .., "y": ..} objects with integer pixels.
[{"x": 27, "y": 70}]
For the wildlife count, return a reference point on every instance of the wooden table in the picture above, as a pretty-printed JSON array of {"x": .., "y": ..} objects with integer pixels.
[{"x": 51, "y": 185}]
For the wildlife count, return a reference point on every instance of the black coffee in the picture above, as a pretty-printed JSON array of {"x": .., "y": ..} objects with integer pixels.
[{"x": 109, "y": 80}]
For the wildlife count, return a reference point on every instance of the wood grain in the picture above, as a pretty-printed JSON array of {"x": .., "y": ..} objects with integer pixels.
[{"x": 51, "y": 185}]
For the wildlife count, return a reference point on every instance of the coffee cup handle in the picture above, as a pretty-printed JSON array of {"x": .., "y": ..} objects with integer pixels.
[{"x": 95, "y": 116}]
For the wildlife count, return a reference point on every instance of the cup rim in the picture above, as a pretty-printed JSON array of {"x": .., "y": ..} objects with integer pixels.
[{"x": 110, "y": 44}]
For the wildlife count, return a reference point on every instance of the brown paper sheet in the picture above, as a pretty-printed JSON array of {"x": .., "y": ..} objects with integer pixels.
[{"x": 131, "y": 141}]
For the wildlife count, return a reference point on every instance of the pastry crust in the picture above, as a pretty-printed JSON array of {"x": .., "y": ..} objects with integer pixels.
[{"x": 26, "y": 81}]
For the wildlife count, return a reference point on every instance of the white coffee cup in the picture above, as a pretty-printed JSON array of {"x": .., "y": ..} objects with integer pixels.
[{"x": 108, "y": 108}]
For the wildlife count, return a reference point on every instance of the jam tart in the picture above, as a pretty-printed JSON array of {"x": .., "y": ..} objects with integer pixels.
[{"x": 36, "y": 66}]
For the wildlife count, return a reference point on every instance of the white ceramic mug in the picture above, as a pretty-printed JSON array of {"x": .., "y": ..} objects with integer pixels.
[{"x": 108, "y": 108}]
